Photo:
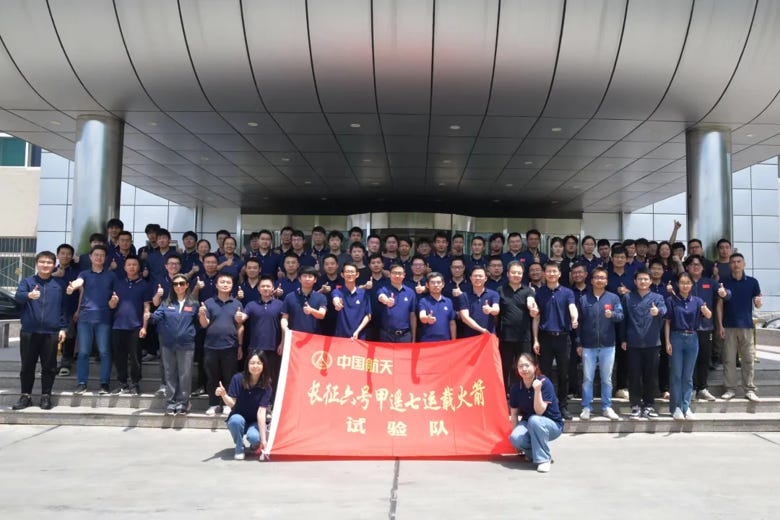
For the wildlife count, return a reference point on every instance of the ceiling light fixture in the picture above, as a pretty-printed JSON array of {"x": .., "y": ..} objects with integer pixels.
[
  {"x": 366, "y": 160},
  {"x": 55, "y": 123},
  {"x": 528, "y": 163},
  {"x": 323, "y": 198},
  {"x": 354, "y": 125},
  {"x": 509, "y": 185},
  {"x": 285, "y": 159},
  {"x": 446, "y": 161},
  {"x": 252, "y": 124},
  {"x": 553, "y": 202},
  {"x": 556, "y": 129},
  {"x": 204, "y": 159},
  {"x": 442, "y": 184},
  {"x": 307, "y": 182},
  {"x": 750, "y": 136},
  {"x": 454, "y": 127}
]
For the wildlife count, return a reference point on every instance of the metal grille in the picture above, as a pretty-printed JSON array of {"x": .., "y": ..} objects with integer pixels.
[{"x": 17, "y": 260}]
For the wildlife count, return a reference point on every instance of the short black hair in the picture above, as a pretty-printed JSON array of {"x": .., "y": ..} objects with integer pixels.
[
  {"x": 355, "y": 229},
  {"x": 99, "y": 247},
  {"x": 533, "y": 232},
  {"x": 174, "y": 256},
  {"x": 441, "y": 234},
  {"x": 115, "y": 222},
  {"x": 602, "y": 242},
  {"x": 223, "y": 232},
  {"x": 618, "y": 249},
  {"x": 641, "y": 270},
  {"x": 152, "y": 228},
  {"x": 98, "y": 237},
  {"x": 495, "y": 236},
  {"x": 66, "y": 246},
  {"x": 337, "y": 234},
  {"x": 723, "y": 241},
  {"x": 298, "y": 233},
  {"x": 162, "y": 232},
  {"x": 318, "y": 229},
  {"x": 358, "y": 245},
  {"x": 190, "y": 234},
  {"x": 46, "y": 254}
]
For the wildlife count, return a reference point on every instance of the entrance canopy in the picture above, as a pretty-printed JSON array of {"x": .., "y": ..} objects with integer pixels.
[{"x": 535, "y": 107}]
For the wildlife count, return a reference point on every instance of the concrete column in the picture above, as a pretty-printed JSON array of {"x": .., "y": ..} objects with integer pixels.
[
  {"x": 97, "y": 176},
  {"x": 708, "y": 167}
]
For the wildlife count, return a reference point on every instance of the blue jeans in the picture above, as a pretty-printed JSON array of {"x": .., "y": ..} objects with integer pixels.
[
  {"x": 238, "y": 428},
  {"x": 604, "y": 358},
  {"x": 685, "y": 349},
  {"x": 533, "y": 436},
  {"x": 101, "y": 334}
]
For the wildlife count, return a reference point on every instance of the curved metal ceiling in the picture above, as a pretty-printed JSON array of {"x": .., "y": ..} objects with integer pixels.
[{"x": 524, "y": 107}]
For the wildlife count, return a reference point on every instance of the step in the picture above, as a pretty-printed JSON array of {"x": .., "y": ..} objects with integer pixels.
[
  {"x": 92, "y": 400},
  {"x": 121, "y": 417},
  {"x": 705, "y": 422},
  {"x": 736, "y": 405},
  {"x": 10, "y": 381}
]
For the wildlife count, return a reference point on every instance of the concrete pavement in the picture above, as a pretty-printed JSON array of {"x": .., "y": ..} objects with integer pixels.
[{"x": 86, "y": 472}]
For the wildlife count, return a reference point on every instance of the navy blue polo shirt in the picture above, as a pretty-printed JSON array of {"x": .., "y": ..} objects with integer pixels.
[
  {"x": 116, "y": 256},
  {"x": 397, "y": 317},
  {"x": 71, "y": 301},
  {"x": 324, "y": 280},
  {"x": 444, "y": 312},
  {"x": 96, "y": 291},
  {"x": 328, "y": 323},
  {"x": 522, "y": 398},
  {"x": 472, "y": 262},
  {"x": 474, "y": 302},
  {"x": 305, "y": 259},
  {"x": 251, "y": 294},
  {"x": 222, "y": 332},
  {"x": 528, "y": 258},
  {"x": 293, "y": 308},
  {"x": 591, "y": 264},
  {"x": 439, "y": 264},
  {"x": 129, "y": 313},
  {"x": 248, "y": 400},
  {"x": 288, "y": 286},
  {"x": 495, "y": 285},
  {"x": 707, "y": 290},
  {"x": 155, "y": 262},
  {"x": 508, "y": 257},
  {"x": 659, "y": 289},
  {"x": 265, "y": 325},
  {"x": 234, "y": 269},
  {"x": 616, "y": 280},
  {"x": 270, "y": 263},
  {"x": 189, "y": 259},
  {"x": 464, "y": 286},
  {"x": 554, "y": 308},
  {"x": 412, "y": 284},
  {"x": 357, "y": 305},
  {"x": 377, "y": 309},
  {"x": 639, "y": 328},
  {"x": 738, "y": 310},
  {"x": 683, "y": 314}
]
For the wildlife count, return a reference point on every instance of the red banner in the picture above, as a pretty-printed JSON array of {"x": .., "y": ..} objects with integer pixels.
[{"x": 344, "y": 398}]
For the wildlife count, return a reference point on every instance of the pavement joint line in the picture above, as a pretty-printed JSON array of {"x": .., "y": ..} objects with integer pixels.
[
  {"x": 767, "y": 440},
  {"x": 47, "y": 430},
  {"x": 394, "y": 491}
]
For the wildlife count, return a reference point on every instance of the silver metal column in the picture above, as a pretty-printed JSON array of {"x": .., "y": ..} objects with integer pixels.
[
  {"x": 97, "y": 176},
  {"x": 708, "y": 167}
]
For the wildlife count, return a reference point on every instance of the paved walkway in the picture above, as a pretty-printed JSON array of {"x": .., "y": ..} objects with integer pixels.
[{"x": 89, "y": 472}]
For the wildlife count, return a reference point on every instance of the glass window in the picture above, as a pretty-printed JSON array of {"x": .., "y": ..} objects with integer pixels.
[{"x": 12, "y": 151}]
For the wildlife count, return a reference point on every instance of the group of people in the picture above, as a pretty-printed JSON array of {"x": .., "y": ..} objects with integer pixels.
[{"x": 641, "y": 312}]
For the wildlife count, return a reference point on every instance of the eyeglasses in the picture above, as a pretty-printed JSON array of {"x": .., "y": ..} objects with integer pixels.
[
  {"x": 179, "y": 284},
  {"x": 695, "y": 264}
]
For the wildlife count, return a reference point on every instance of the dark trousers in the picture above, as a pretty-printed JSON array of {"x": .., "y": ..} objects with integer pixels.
[
  {"x": 220, "y": 367},
  {"x": 702, "y": 369},
  {"x": 151, "y": 343},
  {"x": 69, "y": 345},
  {"x": 372, "y": 333},
  {"x": 643, "y": 367},
  {"x": 621, "y": 369},
  {"x": 274, "y": 366},
  {"x": 510, "y": 351},
  {"x": 33, "y": 347},
  {"x": 389, "y": 336},
  {"x": 663, "y": 366},
  {"x": 556, "y": 347},
  {"x": 124, "y": 346},
  {"x": 200, "y": 337},
  {"x": 575, "y": 381}
]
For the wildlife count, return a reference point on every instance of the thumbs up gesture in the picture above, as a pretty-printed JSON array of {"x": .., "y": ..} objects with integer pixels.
[
  {"x": 279, "y": 291},
  {"x": 722, "y": 291},
  {"x": 201, "y": 284},
  {"x": 240, "y": 293},
  {"x": 113, "y": 265},
  {"x": 35, "y": 293},
  {"x": 486, "y": 307},
  {"x": 622, "y": 289},
  {"x": 69, "y": 290},
  {"x": 715, "y": 272},
  {"x": 160, "y": 291},
  {"x": 757, "y": 301},
  {"x": 653, "y": 310},
  {"x": 325, "y": 289},
  {"x": 368, "y": 285},
  {"x": 114, "y": 299},
  {"x": 390, "y": 300},
  {"x": 456, "y": 292},
  {"x": 202, "y": 310},
  {"x": 337, "y": 303},
  {"x": 607, "y": 312},
  {"x": 420, "y": 288},
  {"x": 220, "y": 390},
  {"x": 240, "y": 316},
  {"x": 306, "y": 308},
  {"x": 669, "y": 287},
  {"x": 229, "y": 260},
  {"x": 145, "y": 272}
]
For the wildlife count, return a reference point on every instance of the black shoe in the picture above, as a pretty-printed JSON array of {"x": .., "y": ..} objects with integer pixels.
[
  {"x": 46, "y": 402},
  {"x": 636, "y": 412},
  {"x": 23, "y": 402},
  {"x": 123, "y": 389},
  {"x": 565, "y": 413},
  {"x": 104, "y": 390},
  {"x": 170, "y": 409},
  {"x": 182, "y": 409},
  {"x": 134, "y": 389},
  {"x": 80, "y": 389},
  {"x": 199, "y": 391}
]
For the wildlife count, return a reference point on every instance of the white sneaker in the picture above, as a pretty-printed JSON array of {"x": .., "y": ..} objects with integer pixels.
[
  {"x": 160, "y": 391},
  {"x": 225, "y": 410},
  {"x": 678, "y": 415},
  {"x": 705, "y": 395},
  {"x": 544, "y": 467},
  {"x": 212, "y": 411},
  {"x": 610, "y": 414},
  {"x": 622, "y": 393},
  {"x": 689, "y": 415},
  {"x": 239, "y": 455},
  {"x": 752, "y": 397},
  {"x": 728, "y": 394},
  {"x": 585, "y": 414}
]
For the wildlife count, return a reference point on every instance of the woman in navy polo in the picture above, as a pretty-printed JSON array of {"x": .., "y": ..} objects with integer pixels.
[
  {"x": 683, "y": 317},
  {"x": 175, "y": 319},
  {"x": 248, "y": 396},
  {"x": 533, "y": 401}
]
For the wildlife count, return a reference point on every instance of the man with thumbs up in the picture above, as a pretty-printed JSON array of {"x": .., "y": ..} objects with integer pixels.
[
  {"x": 43, "y": 324},
  {"x": 222, "y": 343},
  {"x": 131, "y": 300},
  {"x": 710, "y": 292},
  {"x": 398, "y": 321},
  {"x": 736, "y": 327}
]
